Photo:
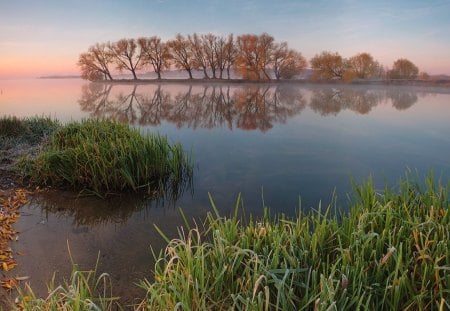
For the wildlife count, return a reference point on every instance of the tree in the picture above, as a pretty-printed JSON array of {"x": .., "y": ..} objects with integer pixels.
[
  {"x": 156, "y": 53},
  {"x": 231, "y": 53},
  {"x": 254, "y": 56},
  {"x": 424, "y": 76},
  {"x": 200, "y": 61},
  {"x": 95, "y": 63},
  {"x": 127, "y": 55},
  {"x": 182, "y": 54},
  {"x": 403, "y": 69},
  {"x": 363, "y": 66},
  {"x": 211, "y": 51},
  {"x": 220, "y": 51},
  {"x": 286, "y": 63},
  {"x": 328, "y": 66}
]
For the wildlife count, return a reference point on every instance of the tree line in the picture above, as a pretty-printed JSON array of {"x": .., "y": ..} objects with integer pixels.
[{"x": 250, "y": 56}]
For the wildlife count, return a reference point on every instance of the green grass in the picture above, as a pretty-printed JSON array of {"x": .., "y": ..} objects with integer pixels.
[
  {"x": 85, "y": 290},
  {"x": 103, "y": 156},
  {"x": 390, "y": 252}
]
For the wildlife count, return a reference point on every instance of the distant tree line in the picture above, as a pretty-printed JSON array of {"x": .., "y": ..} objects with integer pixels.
[{"x": 252, "y": 57}]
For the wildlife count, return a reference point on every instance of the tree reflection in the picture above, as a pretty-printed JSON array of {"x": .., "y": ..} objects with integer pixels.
[
  {"x": 247, "y": 108},
  {"x": 91, "y": 210},
  {"x": 331, "y": 101}
]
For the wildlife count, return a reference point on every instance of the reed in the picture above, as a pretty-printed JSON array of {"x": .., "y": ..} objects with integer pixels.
[
  {"x": 103, "y": 156},
  {"x": 390, "y": 252}
]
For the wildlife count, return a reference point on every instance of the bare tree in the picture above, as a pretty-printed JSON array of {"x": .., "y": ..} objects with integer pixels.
[
  {"x": 286, "y": 62},
  {"x": 182, "y": 54},
  {"x": 156, "y": 53},
  {"x": 95, "y": 63},
  {"x": 220, "y": 51},
  {"x": 200, "y": 61},
  {"x": 230, "y": 53},
  {"x": 210, "y": 42},
  {"x": 127, "y": 55}
]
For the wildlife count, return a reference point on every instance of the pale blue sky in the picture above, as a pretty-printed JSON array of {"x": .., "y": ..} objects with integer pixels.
[{"x": 45, "y": 37}]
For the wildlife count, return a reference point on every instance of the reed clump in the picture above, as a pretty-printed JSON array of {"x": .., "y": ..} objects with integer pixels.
[
  {"x": 104, "y": 156},
  {"x": 390, "y": 252}
]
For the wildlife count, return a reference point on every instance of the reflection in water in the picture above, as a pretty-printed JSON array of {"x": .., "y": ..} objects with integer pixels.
[
  {"x": 92, "y": 211},
  {"x": 248, "y": 107}
]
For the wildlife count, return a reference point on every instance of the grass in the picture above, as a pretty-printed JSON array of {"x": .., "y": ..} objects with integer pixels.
[
  {"x": 390, "y": 252},
  {"x": 27, "y": 130},
  {"x": 85, "y": 290},
  {"x": 103, "y": 156}
]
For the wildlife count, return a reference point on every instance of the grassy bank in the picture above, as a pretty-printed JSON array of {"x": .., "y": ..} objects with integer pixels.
[
  {"x": 390, "y": 252},
  {"x": 103, "y": 156}
]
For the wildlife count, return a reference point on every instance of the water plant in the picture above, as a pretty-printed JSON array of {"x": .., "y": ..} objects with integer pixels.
[
  {"x": 105, "y": 156},
  {"x": 390, "y": 252}
]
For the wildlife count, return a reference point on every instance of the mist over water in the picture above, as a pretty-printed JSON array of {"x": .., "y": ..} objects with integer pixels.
[{"x": 278, "y": 142}]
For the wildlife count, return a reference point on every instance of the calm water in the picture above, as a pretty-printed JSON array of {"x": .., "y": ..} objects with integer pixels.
[{"x": 280, "y": 142}]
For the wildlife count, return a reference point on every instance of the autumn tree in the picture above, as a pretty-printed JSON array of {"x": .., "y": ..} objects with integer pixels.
[
  {"x": 254, "y": 56},
  {"x": 127, "y": 55},
  {"x": 199, "y": 56},
  {"x": 211, "y": 50},
  {"x": 403, "y": 69},
  {"x": 182, "y": 54},
  {"x": 363, "y": 66},
  {"x": 286, "y": 62},
  {"x": 328, "y": 66},
  {"x": 155, "y": 53},
  {"x": 230, "y": 53},
  {"x": 95, "y": 63},
  {"x": 220, "y": 52}
]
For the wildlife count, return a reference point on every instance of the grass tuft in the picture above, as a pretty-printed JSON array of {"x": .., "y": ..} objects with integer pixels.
[{"x": 103, "y": 156}]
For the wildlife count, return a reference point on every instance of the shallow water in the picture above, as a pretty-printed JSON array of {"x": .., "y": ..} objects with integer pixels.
[{"x": 275, "y": 143}]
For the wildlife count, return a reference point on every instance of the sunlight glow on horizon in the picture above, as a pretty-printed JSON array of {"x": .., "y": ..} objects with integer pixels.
[{"x": 46, "y": 38}]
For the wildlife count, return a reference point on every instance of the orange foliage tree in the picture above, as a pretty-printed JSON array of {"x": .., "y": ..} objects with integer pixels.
[
  {"x": 254, "y": 56},
  {"x": 155, "y": 53},
  {"x": 328, "y": 66},
  {"x": 94, "y": 64},
  {"x": 403, "y": 69},
  {"x": 182, "y": 54},
  {"x": 364, "y": 66},
  {"x": 286, "y": 62},
  {"x": 127, "y": 55}
]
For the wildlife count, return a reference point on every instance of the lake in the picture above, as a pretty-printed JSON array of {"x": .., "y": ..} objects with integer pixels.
[{"x": 284, "y": 146}]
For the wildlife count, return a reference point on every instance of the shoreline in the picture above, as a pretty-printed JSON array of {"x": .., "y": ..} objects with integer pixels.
[{"x": 424, "y": 83}]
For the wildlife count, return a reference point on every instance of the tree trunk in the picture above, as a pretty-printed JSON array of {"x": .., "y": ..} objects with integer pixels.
[
  {"x": 190, "y": 73},
  {"x": 159, "y": 74}
]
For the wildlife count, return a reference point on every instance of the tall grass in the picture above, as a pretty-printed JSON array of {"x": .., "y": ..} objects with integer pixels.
[
  {"x": 85, "y": 290},
  {"x": 104, "y": 156},
  {"x": 390, "y": 252}
]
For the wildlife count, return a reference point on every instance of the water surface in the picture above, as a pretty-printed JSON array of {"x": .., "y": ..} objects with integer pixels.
[{"x": 286, "y": 143}]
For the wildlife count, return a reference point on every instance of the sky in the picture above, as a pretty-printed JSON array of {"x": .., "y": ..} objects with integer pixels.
[{"x": 45, "y": 37}]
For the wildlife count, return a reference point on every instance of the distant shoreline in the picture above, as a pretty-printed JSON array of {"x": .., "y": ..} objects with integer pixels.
[
  {"x": 395, "y": 82},
  {"x": 435, "y": 83}
]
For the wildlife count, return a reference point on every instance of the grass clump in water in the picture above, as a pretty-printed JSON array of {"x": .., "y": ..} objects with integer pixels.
[
  {"x": 390, "y": 252},
  {"x": 104, "y": 156}
]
